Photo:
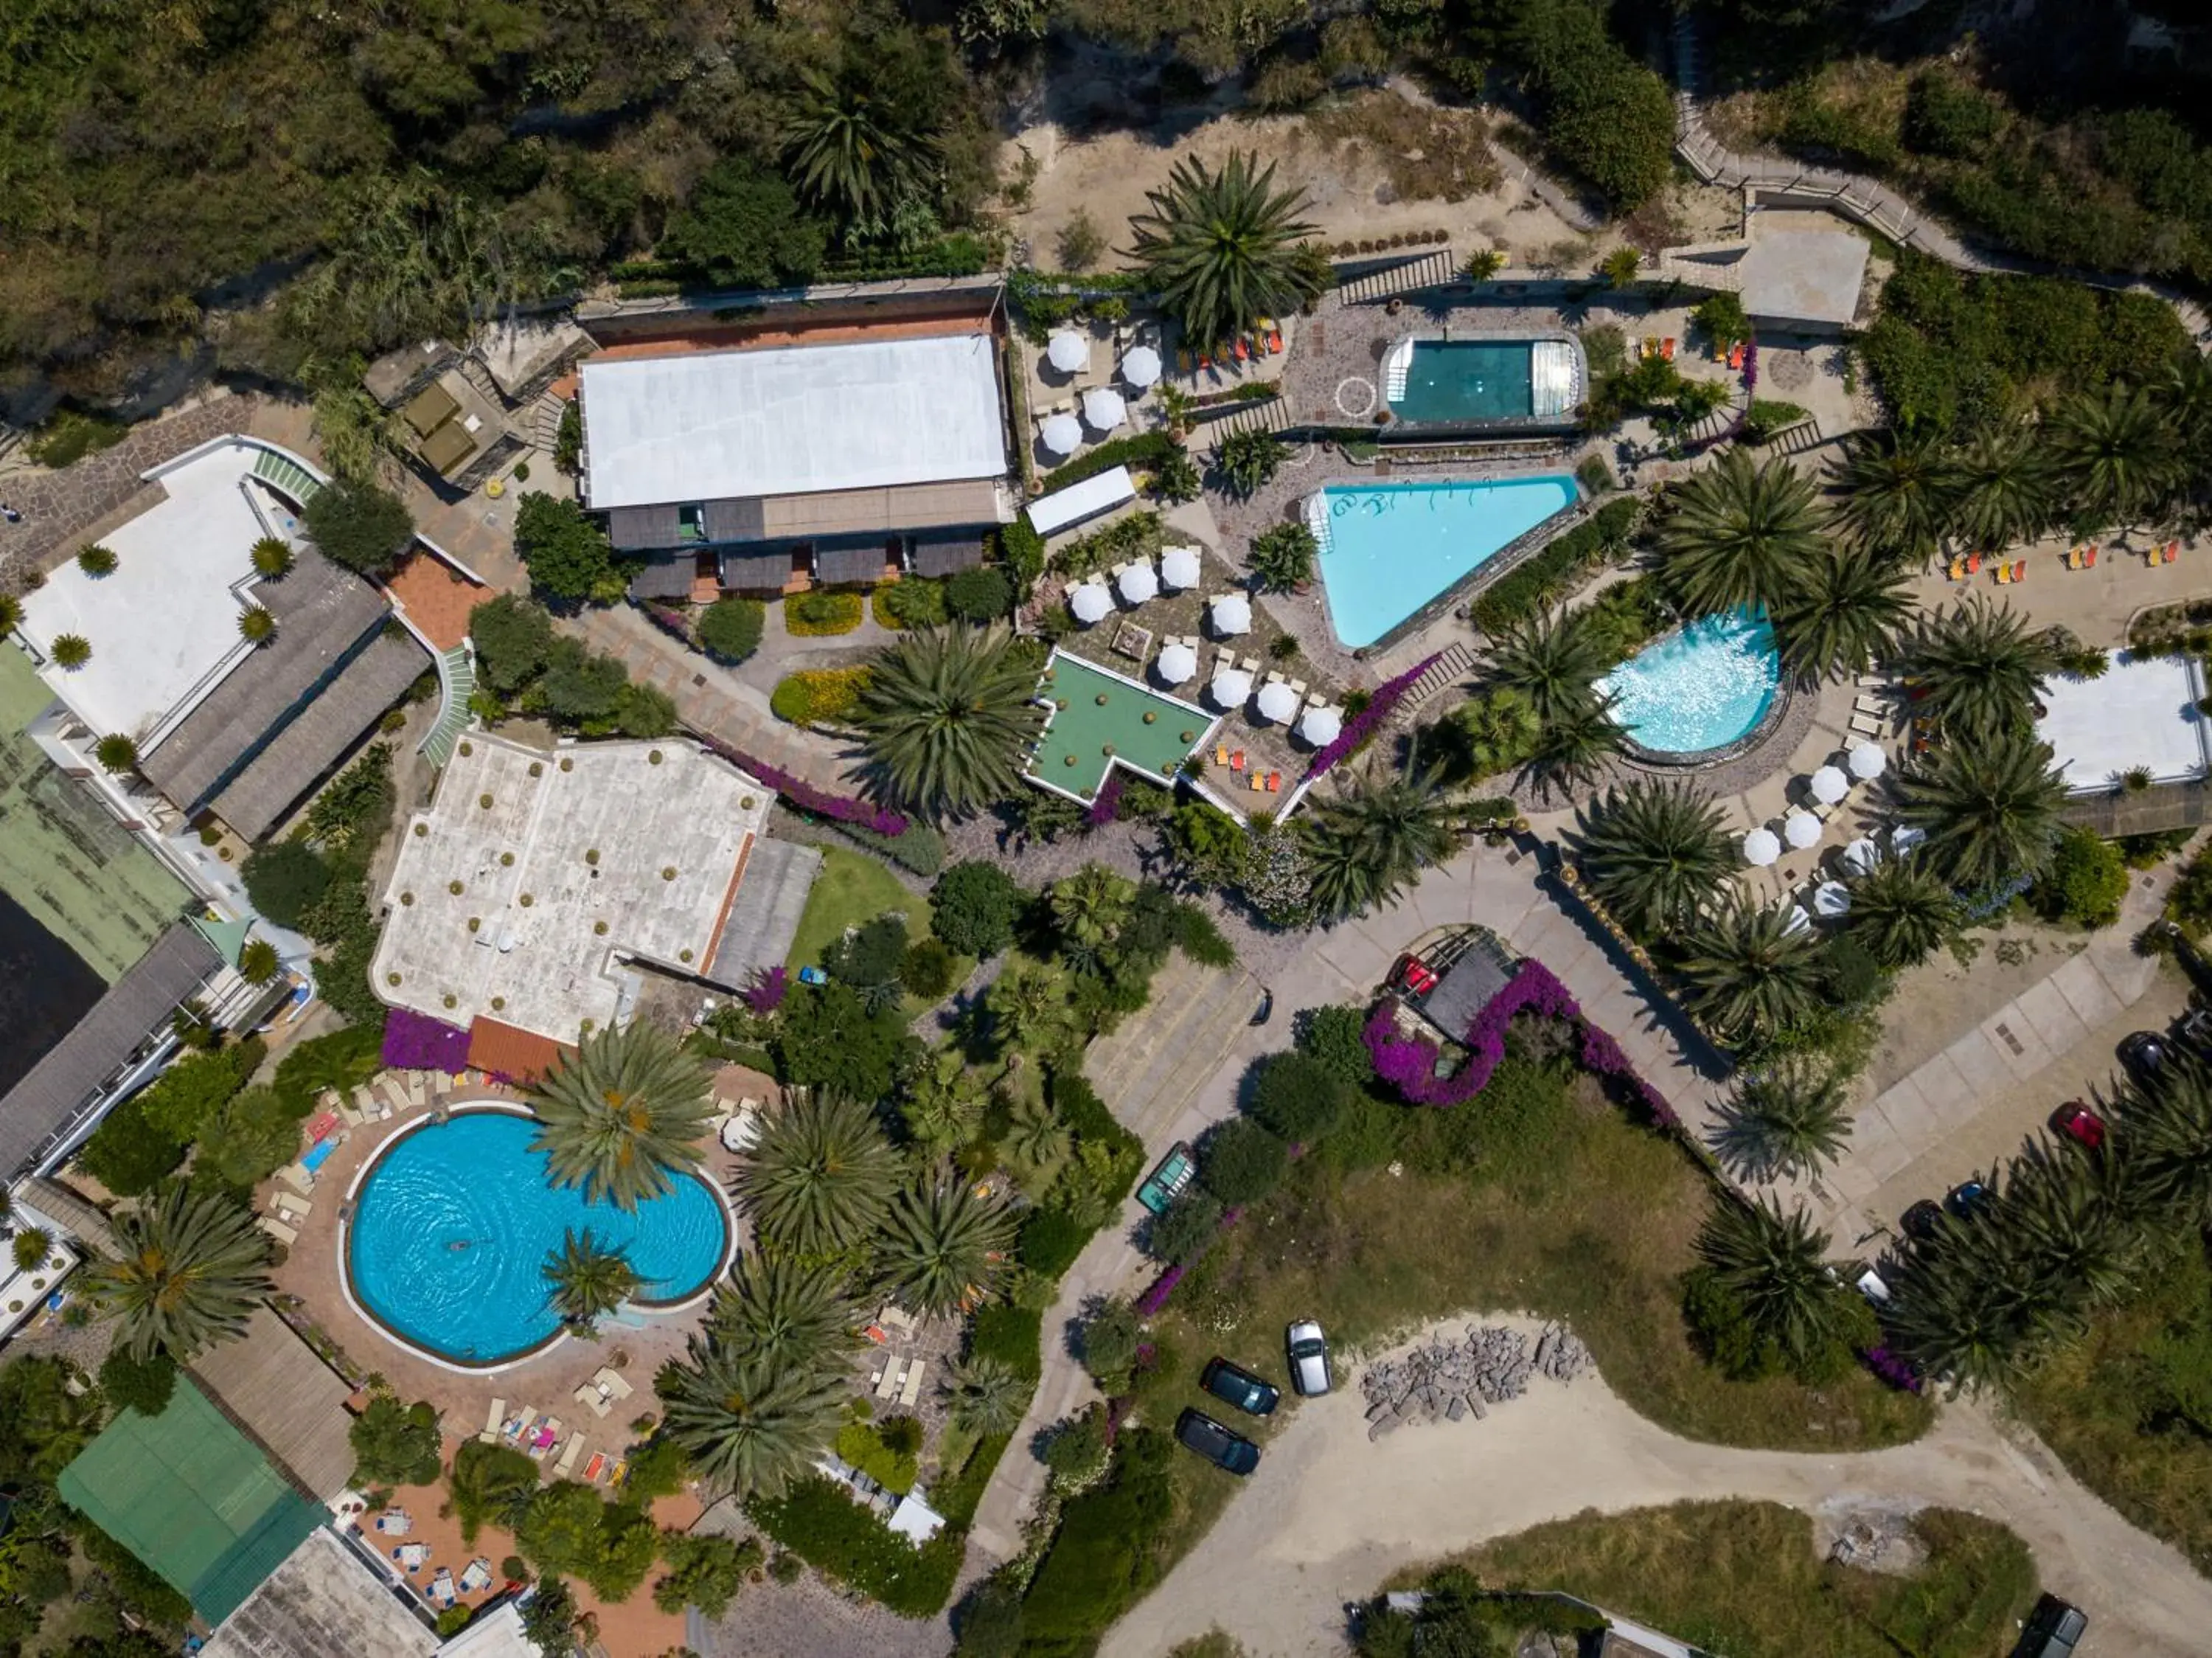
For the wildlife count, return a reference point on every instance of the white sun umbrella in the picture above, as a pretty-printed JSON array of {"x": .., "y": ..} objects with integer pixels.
[
  {"x": 1179, "y": 566},
  {"x": 1801, "y": 830},
  {"x": 1868, "y": 762},
  {"x": 1141, "y": 368},
  {"x": 1761, "y": 847},
  {"x": 1830, "y": 785},
  {"x": 1138, "y": 583},
  {"x": 1068, "y": 352},
  {"x": 1277, "y": 701},
  {"x": 1062, "y": 434},
  {"x": 1230, "y": 687},
  {"x": 1831, "y": 898},
  {"x": 1322, "y": 726},
  {"x": 1904, "y": 837},
  {"x": 1103, "y": 409},
  {"x": 1861, "y": 855},
  {"x": 1178, "y": 665},
  {"x": 1794, "y": 919},
  {"x": 1232, "y": 614},
  {"x": 1090, "y": 602}
]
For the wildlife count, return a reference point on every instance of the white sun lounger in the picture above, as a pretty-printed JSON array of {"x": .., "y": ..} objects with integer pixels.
[
  {"x": 912, "y": 1391},
  {"x": 497, "y": 1415},
  {"x": 276, "y": 1229},
  {"x": 570, "y": 1452}
]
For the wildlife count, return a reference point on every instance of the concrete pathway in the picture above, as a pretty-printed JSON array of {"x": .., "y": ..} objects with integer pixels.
[{"x": 1329, "y": 1516}]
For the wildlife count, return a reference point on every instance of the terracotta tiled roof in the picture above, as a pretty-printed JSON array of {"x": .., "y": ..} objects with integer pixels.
[{"x": 508, "y": 1050}]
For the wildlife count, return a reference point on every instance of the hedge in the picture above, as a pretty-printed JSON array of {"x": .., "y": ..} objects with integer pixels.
[
  {"x": 1051, "y": 1240},
  {"x": 956, "y": 1497},
  {"x": 819, "y": 696},
  {"x": 1523, "y": 591},
  {"x": 1012, "y": 1335},
  {"x": 919, "y": 848},
  {"x": 821, "y": 613},
  {"x": 818, "y": 1522},
  {"x": 1145, "y": 449}
]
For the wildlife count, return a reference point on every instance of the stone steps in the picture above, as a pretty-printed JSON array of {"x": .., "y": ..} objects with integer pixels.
[
  {"x": 1151, "y": 1068},
  {"x": 1453, "y": 664},
  {"x": 1429, "y": 270}
]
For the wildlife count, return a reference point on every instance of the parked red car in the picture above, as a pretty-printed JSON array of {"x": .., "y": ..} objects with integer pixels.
[
  {"x": 2079, "y": 1125},
  {"x": 1413, "y": 976}
]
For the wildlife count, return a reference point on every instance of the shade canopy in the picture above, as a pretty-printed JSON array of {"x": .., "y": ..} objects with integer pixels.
[
  {"x": 1803, "y": 830},
  {"x": 1868, "y": 762},
  {"x": 1178, "y": 664},
  {"x": 1831, "y": 898},
  {"x": 1277, "y": 701},
  {"x": 1141, "y": 367},
  {"x": 1322, "y": 726},
  {"x": 1230, "y": 687},
  {"x": 1138, "y": 583},
  {"x": 1795, "y": 920},
  {"x": 1090, "y": 602},
  {"x": 1761, "y": 847},
  {"x": 1830, "y": 785},
  {"x": 1062, "y": 434},
  {"x": 1905, "y": 837},
  {"x": 1103, "y": 409},
  {"x": 1179, "y": 566},
  {"x": 1232, "y": 614},
  {"x": 1067, "y": 351},
  {"x": 1860, "y": 856}
]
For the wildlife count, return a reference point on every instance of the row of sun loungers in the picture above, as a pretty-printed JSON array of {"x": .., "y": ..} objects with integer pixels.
[
  {"x": 900, "y": 1378},
  {"x": 1967, "y": 565}
]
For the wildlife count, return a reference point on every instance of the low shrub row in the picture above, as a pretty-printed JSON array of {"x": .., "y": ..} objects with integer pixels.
[
  {"x": 1524, "y": 592},
  {"x": 821, "y": 613},
  {"x": 819, "y": 696},
  {"x": 1145, "y": 449},
  {"x": 816, "y": 1520}
]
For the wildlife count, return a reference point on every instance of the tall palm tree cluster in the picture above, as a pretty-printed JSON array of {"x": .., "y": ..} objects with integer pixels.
[
  {"x": 1974, "y": 1300},
  {"x": 949, "y": 713},
  {"x": 623, "y": 1115},
  {"x": 837, "y": 1216},
  {"x": 1769, "y": 1267},
  {"x": 1364, "y": 847},
  {"x": 1226, "y": 248},
  {"x": 1541, "y": 678}
]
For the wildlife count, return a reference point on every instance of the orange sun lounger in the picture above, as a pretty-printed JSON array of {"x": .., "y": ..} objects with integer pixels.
[{"x": 1667, "y": 350}]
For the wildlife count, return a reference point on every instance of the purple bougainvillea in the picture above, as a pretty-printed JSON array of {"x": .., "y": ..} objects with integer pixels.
[
  {"x": 1107, "y": 805},
  {"x": 1895, "y": 1368},
  {"x": 1408, "y": 1064},
  {"x": 1750, "y": 368},
  {"x": 415, "y": 1041},
  {"x": 673, "y": 623},
  {"x": 1157, "y": 1297},
  {"x": 1369, "y": 719},
  {"x": 766, "y": 993},
  {"x": 805, "y": 796}
]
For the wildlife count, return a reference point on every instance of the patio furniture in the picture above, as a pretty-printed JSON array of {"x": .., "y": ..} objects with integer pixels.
[
  {"x": 1140, "y": 368},
  {"x": 1224, "y": 661},
  {"x": 894, "y": 1374},
  {"x": 592, "y": 1399},
  {"x": 1801, "y": 830},
  {"x": 1274, "y": 782},
  {"x": 1276, "y": 701},
  {"x": 1322, "y": 725},
  {"x": 296, "y": 1176},
  {"x": 1867, "y": 761},
  {"x": 1230, "y": 687},
  {"x": 294, "y": 1209},
  {"x": 610, "y": 1378},
  {"x": 570, "y": 1452},
  {"x": 1249, "y": 664},
  {"x": 276, "y": 1229},
  {"x": 1829, "y": 784},
  {"x": 1831, "y": 898},
  {"x": 1298, "y": 686},
  {"x": 497, "y": 1414},
  {"x": 442, "y": 1593},
  {"x": 1134, "y": 642},
  {"x": 1762, "y": 848},
  {"x": 1139, "y": 582},
  {"x": 898, "y": 1318},
  {"x": 1232, "y": 613},
  {"x": 395, "y": 1522},
  {"x": 1179, "y": 566},
  {"x": 1068, "y": 351},
  {"x": 1091, "y": 603},
  {"x": 476, "y": 1575},
  {"x": 595, "y": 1467},
  {"x": 912, "y": 1391},
  {"x": 1103, "y": 408},
  {"x": 411, "y": 1556}
]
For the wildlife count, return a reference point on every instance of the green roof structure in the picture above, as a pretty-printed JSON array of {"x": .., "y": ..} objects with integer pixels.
[
  {"x": 194, "y": 1498},
  {"x": 1096, "y": 717}
]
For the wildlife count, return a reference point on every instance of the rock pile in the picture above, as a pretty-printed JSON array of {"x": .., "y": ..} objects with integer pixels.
[{"x": 1450, "y": 1382}]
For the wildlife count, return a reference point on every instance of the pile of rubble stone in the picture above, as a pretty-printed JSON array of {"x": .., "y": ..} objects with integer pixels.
[{"x": 1450, "y": 1382}]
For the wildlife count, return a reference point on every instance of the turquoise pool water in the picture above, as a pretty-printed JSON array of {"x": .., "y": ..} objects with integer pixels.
[
  {"x": 1387, "y": 549},
  {"x": 1702, "y": 686},
  {"x": 451, "y": 1230},
  {"x": 1477, "y": 381}
]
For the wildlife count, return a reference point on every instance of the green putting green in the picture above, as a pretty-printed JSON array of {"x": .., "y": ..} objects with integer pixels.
[{"x": 1097, "y": 717}]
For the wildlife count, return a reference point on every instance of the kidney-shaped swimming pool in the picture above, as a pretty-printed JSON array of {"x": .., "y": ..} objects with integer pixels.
[{"x": 453, "y": 1223}]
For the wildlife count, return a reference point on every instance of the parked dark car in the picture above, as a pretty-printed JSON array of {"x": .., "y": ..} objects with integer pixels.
[
  {"x": 1200, "y": 1432},
  {"x": 2145, "y": 1054},
  {"x": 2054, "y": 1628},
  {"x": 1970, "y": 1201},
  {"x": 1309, "y": 1357},
  {"x": 1924, "y": 1220},
  {"x": 2077, "y": 1123},
  {"x": 1233, "y": 1385}
]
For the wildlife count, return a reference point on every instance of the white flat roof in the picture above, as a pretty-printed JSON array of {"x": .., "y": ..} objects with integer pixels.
[
  {"x": 2141, "y": 712},
  {"x": 1101, "y": 492},
  {"x": 551, "y": 859},
  {"x": 164, "y": 627},
  {"x": 1804, "y": 276},
  {"x": 791, "y": 420}
]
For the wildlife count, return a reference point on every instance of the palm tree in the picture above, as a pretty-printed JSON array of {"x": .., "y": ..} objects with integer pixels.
[
  {"x": 189, "y": 1270},
  {"x": 588, "y": 1279},
  {"x": 71, "y": 650},
  {"x": 621, "y": 1115},
  {"x": 1090, "y": 906},
  {"x": 489, "y": 1484},
  {"x": 748, "y": 1424},
  {"x": 941, "y": 1244},
  {"x": 2166, "y": 1130},
  {"x": 1492, "y": 731},
  {"x": 1775, "y": 1266},
  {"x": 2002, "y": 482},
  {"x": 1028, "y": 1009},
  {"x": 1037, "y": 1142},
  {"x": 949, "y": 712},
  {"x": 2185, "y": 395},
  {"x": 1846, "y": 615},
  {"x": 256, "y": 626},
  {"x": 1575, "y": 745},
  {"x": 983, "y": 1396},
  {"x": 819, "y": 1178},
  {"x": 1749, "y": 974},
  {"x": 2115, "y": 454},
  {"x": 1901, "y": 911},
  {"x": 1366, "y": 846},
  {"x": 1739, "y": 535},
  {"x": 1977, "y": 670},
  {"x": 1550, "y": 662},
  {"x": 850, "y": 152},
  {"x": 1653, "y": 852},
  {"x": 1991, "y": 809},
  {"x": 1221, "y": 248},
  {"x": 115, "y": 752},
  {"x": 2072, "y": 1222},
  {"x": 1786, "y": 1120},
  {"x": 11, "y": 612},
  {"x": 942, "y": 1108},
  {"x": 272, "y": 557},
  {"x": 1894, "y": 489},
  {"x": 788, "y": 1312}
]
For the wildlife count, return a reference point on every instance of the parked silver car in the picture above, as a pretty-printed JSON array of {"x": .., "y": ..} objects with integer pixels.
[{"x": 1309, "y": 1357}]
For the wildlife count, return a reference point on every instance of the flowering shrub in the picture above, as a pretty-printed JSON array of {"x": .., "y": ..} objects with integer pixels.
[
  {"x": 1408, "y": 1064},
  {"x": 1157, "y": 1297},
  {"x": 415, "y": 1041},
  {"x": 766, "y": 993},
  {"x": 673, "y": 623},
  {"x": 1369, "y": 719},
  {"x": 1895, "y": 1368},
  {"x": 1107, "y": 805},
  {"x": 805, "y": 796}
]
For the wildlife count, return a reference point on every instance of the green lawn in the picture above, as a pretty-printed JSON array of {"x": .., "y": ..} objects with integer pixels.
[
  {"x": 1744, "y": 1579},
  {"x": 851, "y": 887}
]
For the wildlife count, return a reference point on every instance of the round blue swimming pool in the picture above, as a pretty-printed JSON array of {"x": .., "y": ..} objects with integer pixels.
[
  {"x": 454, "y": 1222},
  {"x": 1702, "y": 687}
]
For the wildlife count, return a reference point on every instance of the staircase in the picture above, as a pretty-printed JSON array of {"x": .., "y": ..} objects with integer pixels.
[
  {"x": 1272, "y": 415},
  {"x": 1431, "y": 270},
  {"x": 480, "y": 381},
  {"x": 457, "y": 683},
  {"x": 542, "y": 426},
  {"x": 1452, "y": 664},
  {"x": 286, "y": 476},
  {"x": 1149, "y": 1070}
]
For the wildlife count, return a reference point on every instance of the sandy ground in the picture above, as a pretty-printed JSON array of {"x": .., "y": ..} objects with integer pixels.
[{"x": 1330, "y": 1516}]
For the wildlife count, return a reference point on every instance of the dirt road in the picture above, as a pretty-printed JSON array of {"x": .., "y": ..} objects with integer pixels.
[{"x": 1329, "y": 1516}]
